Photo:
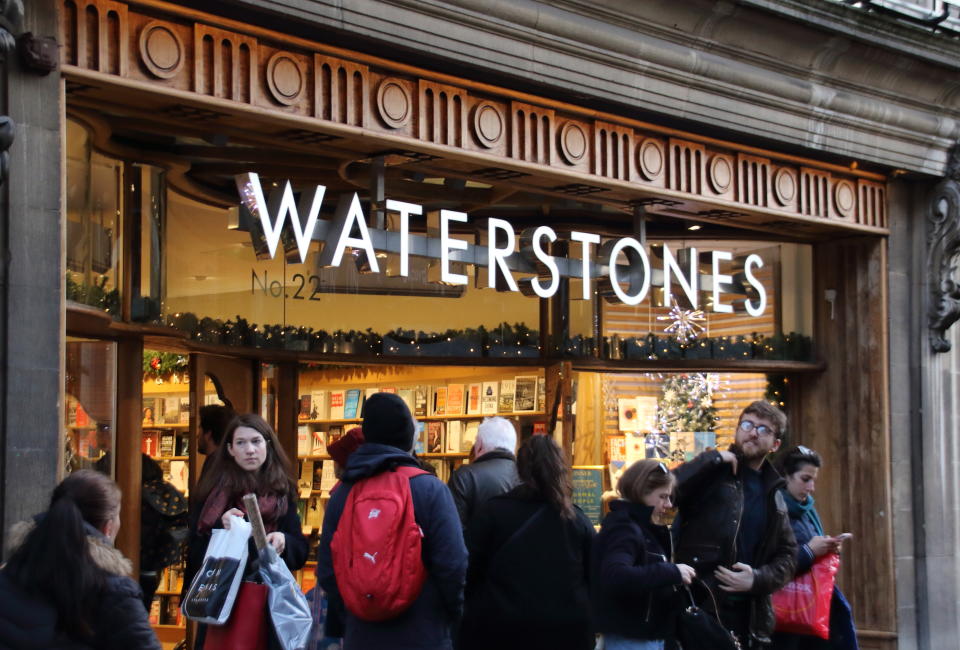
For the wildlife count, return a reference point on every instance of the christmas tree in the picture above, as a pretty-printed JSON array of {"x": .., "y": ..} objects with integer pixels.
[{"x": 686, "y": 404}]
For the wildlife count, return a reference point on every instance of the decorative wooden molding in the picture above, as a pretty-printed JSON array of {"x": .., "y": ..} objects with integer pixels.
[
  {"x": 943, "y": 247},
  {"x": 217, "y": 67},
  {"x": 161, "y": 50}
]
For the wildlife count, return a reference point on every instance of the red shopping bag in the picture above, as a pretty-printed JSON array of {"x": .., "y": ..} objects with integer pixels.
[
  {"x": 246, "y": 629},
  {"x": 803, "y": 605}
]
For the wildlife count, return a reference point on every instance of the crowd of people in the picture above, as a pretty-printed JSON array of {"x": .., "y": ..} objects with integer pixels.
[{"x": 500, "y": 557}]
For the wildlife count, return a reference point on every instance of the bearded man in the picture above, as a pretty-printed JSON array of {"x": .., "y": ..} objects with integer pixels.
[{"x": 733, "y": 527}]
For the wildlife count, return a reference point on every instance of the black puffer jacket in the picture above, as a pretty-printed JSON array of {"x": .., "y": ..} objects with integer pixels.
[
  {"x": 710, "y": 502},
  {"x": 633, "y": 588},
  {"x": 488, "y": 476},
  {"x": 119, "y": 619}
]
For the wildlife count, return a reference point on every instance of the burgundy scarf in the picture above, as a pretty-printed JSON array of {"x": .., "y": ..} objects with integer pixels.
[{"x": 272, "y": 508}]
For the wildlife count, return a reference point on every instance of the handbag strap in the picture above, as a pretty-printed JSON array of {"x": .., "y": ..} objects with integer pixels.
[
  {"x": 519, "y": 531},
  {"x": 713, "y": 599}
]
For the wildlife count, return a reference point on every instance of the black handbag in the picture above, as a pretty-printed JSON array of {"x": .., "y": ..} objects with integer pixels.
[{"x": 699, "y": 629}]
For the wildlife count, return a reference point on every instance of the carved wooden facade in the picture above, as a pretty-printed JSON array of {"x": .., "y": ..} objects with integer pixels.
[{"x": 220, "y": 66}]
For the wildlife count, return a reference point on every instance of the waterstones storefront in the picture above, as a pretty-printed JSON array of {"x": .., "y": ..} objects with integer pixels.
[{"x": 261, "y": 219}]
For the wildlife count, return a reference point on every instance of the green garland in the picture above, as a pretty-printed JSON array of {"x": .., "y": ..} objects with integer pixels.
[
  {"x": 95, "y": 295},
  {"x": 163, "y": 364}
]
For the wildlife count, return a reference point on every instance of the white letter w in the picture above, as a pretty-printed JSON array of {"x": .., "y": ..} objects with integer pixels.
[{"x": 281, "y": 203}]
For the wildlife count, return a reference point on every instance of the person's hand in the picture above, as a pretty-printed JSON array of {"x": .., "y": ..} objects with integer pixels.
[
  {"x": 737, "y": 579},
  {"x": 730, "y": 457},
  {"x": 687, "y": 573},
  {"x": 278, "y": 541},
  {"x": 232, "y": 512},
  {"x": 840, "y": 539},
  {"x": 821, "y": 545}
]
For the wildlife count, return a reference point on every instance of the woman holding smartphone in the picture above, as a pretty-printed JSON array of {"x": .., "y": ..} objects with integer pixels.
[{"x": 800, "y": 467}]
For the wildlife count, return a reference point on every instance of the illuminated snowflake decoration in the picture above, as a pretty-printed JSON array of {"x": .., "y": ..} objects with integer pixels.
[{"x": 686, "y": 323}]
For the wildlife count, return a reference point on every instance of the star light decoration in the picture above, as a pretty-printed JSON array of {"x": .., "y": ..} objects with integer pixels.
[{"x": 685, "y": 325}]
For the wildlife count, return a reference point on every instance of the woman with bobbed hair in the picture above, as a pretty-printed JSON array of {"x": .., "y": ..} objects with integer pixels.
[
  {"x": 633, "y": 589},
  {"x": 529, "y": 561},
  {"x": 65, "y": 586},
  {"x": 800, "y": 467},
  {"x": 250, "y": 460}
]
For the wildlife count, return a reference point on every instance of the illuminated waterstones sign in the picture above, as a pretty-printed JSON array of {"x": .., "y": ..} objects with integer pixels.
[{"x": 629, "y": 283}]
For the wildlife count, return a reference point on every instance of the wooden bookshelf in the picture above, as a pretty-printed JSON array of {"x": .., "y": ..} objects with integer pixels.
[{"x": 426, "y": 418}]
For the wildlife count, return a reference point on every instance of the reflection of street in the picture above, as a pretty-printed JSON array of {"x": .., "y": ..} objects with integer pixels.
[{"x": 658, "y": 445}]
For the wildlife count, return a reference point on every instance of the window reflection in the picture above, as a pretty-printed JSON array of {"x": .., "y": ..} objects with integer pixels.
[{"x": 90, "y": 406}]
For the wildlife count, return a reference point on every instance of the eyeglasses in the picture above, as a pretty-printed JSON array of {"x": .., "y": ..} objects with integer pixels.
[
  {"x": 806, "y": 451},
  {"x": 762, "y": 430},
  {"x": 663, "y": 468}
]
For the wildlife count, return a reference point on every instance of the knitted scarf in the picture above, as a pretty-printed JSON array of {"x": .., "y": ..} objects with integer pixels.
[
  {"x": 804, "y": 510},
  {"x": 272, "y": 508}
]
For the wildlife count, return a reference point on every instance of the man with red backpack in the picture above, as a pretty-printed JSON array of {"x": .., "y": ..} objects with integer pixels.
[{"x": 392, "y": 558}]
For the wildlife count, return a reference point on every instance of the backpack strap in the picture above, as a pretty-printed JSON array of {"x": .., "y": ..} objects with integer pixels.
[{"x": 410, "y": 471}]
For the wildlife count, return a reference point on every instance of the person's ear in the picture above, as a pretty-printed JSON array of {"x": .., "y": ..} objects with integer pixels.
[{"x": 776, "y": 446}]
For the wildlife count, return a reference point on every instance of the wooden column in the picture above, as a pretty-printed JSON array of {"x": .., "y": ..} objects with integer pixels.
[
  {"x": 287, "y": 406},
  {"x": 129, "y": 436},
  {"x": 843, "y": 413}
]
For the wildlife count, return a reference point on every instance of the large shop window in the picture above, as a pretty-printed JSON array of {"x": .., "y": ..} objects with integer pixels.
[
  {"x": 672, "y": 417},
  {"x": 217, "y": 289},
  {"x": 94, "y": 218},
  {"x": 671, "y": 328},
  {"x": 89, "y": 417}
]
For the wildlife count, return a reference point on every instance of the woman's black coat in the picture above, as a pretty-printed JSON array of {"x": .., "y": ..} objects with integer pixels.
[
  {"x": 118, "y": 620},
  {"x": 533, "y": 591},
  {"x": 633, "y": 588},
  {"x": 294, "y": 553}
]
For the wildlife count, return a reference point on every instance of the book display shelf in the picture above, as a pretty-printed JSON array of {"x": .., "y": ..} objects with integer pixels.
[
  {"x": 165, "y": 421},
  {"x": 448, "y": 403}
]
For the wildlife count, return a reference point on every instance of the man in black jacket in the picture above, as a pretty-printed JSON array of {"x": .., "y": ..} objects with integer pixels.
[
  {"x": 492, "y": 472},
  {"x": 733, "y": 526}
]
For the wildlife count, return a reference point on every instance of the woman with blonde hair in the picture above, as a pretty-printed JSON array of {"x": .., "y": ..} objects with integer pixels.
[{"x": 633, "y": 585}]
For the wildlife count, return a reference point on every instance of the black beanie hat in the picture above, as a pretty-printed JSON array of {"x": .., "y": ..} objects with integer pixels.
[{"x": 387, "y": 421}]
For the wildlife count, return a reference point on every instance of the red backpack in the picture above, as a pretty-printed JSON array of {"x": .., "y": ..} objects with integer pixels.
[{"x": 376, "y": 547}]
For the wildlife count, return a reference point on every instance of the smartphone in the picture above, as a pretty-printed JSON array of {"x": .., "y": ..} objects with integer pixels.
[{"x": 844, "y": 536}]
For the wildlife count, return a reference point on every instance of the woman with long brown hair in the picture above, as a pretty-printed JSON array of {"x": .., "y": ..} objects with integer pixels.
[
  {"x": 529, "y": 561},
  {"x": 65, "y": 586},
  {"x": 250, "y": 460}
]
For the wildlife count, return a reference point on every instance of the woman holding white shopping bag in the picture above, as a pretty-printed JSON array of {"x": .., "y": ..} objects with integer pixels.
[{"x": 250, "y": 460}]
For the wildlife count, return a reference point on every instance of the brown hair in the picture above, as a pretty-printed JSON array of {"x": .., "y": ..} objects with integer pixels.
[
  {"x": 768, "y": 411},
  {"x": 642, "y": 478},
  {"x": 543, "y": 470},
  {"x": 275, "y": 476}
]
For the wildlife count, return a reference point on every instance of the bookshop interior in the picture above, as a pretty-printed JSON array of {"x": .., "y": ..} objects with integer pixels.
[{"x": 177, "y": 298}]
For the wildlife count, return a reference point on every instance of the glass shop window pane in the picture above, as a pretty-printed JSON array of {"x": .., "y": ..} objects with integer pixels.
[
  {"x": 94, "y": 218},
  {"x": 658, "y": 328},
  {"x": 218, "y": 290},
  {"x": 624, "y": 417},
  {"x": 89, "y": 417}
]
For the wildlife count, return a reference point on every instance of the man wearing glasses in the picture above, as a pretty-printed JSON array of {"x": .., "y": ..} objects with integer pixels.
[{"x": 733, "y": 526}]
